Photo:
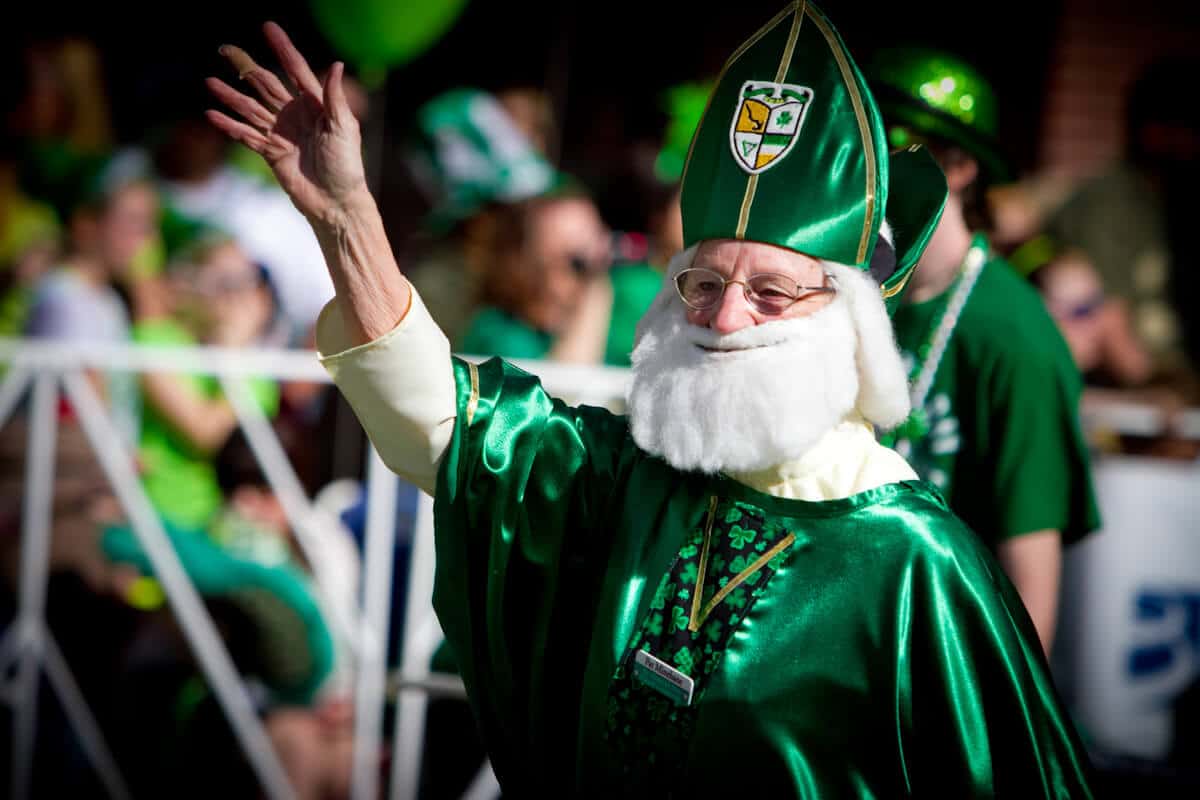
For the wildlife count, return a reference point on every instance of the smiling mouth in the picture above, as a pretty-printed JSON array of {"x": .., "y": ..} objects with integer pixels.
[{"x": 729, "y": 350}]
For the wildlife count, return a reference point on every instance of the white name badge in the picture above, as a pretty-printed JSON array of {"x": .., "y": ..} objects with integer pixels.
[{"x": 663, "y": 678}]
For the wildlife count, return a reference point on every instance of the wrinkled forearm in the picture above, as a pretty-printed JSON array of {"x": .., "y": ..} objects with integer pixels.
[
  {"x": 400, "y": 385},
  {"x": 372, "y": 295}
]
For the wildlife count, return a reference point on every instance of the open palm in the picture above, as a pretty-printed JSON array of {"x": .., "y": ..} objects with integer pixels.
[{"x": 309, "y": 137}]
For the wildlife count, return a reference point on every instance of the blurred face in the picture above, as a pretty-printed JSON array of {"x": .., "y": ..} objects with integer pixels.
[
  {"x": 1074, "y": 296},
  {"x": 128, "y": 225},
  {"x": 225, "y": 296},
  {"x": 567, "y": 241},
  {"x": 757, "y": 297}
]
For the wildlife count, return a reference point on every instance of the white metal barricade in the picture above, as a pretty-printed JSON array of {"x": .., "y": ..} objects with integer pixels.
[{"x": 52, "y": 368}]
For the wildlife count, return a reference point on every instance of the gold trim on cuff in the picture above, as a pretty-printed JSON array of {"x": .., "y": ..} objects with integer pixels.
[{"x": 473, "y": 400}]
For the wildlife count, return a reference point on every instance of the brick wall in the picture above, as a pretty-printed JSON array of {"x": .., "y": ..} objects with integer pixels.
[{"x": 1101, "y": 47}]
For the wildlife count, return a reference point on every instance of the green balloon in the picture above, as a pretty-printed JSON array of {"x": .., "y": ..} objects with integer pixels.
[{"x": 377, "y": 34}]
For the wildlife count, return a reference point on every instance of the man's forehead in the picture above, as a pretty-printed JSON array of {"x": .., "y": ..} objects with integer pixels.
[{"x": 727, "y": 255}]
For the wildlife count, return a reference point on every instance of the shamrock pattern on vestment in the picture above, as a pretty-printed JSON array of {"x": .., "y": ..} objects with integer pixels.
[{"x": 648, "y": 731}]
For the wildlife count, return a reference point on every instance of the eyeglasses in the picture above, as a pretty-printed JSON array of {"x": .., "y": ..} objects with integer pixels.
[
  {"x": 1082, "y": 310},
  {"x": 768, "y": 292}
]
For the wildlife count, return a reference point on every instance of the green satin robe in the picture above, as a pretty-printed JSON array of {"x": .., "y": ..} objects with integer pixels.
[{"x": 872, "y": 647}]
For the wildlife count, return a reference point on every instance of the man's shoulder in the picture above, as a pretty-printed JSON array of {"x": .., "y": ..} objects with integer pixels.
[{"x": 922, "y": 529}]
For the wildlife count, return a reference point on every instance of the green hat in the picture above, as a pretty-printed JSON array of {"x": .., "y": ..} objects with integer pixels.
[
  {"x": 791, "y": 152},
  {"x": 469, "y": 153},
  {"x": 932, "y": 93}
]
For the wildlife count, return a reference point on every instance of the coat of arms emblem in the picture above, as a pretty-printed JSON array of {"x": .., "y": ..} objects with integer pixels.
[{"x": 766, "y": 123}]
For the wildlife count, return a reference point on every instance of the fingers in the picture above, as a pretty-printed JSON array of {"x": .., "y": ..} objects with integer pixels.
[
  {"x": 254, "y": 139},
  {"x": 293, "y": 63},
  {"x": 335, "y": 95},
  {"x": 266, "y": 83},
  {"x": 251, "y": 110}
]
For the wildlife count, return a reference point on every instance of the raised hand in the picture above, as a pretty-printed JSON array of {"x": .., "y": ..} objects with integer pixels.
[{"x": 309, "y": 137}]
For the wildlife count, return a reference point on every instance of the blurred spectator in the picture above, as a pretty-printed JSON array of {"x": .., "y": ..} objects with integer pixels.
[
  {"x": 82, "y": 300},
  {"x": 1095, "y": 325},
  {"x": 191, "y": 161},
  {"x": 112, "y": 244},
  {"x": 1133, "y": 220},
  {"x": 468, "y": 159},
  {"x": 995, "y": 421},
  {"x": 546, "y": 290},
  {"x": 219, "y": 297}
]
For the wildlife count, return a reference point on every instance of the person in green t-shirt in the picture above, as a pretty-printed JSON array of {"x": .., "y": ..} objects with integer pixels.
[
  {"x": 995, "y": 392},
  {"x": 222, "y": 300}
]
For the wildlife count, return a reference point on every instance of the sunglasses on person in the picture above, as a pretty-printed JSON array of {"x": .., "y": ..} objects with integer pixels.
[{"x": 768, "y": 292}]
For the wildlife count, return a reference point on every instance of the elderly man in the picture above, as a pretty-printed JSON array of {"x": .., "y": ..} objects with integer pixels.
[{"x": 736, "y": 590}]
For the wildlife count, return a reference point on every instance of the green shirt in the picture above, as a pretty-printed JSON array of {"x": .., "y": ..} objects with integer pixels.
[
  {"x": 180, "y": 480},
  {"x": 1004, "y": 443},
  {"x": 493, "y": 332},
  {"x": 634, "y": 288},
  {"x": 861, "y": 647}
]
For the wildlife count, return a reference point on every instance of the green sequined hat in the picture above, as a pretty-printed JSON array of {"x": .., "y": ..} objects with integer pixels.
[
  {"x": 925, "y": 92},
  {"x": 791, "y": 151}
]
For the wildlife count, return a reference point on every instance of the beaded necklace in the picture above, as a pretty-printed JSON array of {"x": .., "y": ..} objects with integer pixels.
[{"x": 916, "y": 426}]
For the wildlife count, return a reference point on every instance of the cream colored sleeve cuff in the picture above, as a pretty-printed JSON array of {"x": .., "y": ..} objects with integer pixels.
[{"x": 401, "y": 387}]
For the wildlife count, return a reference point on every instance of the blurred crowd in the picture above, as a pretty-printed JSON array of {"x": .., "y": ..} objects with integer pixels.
[{"x": 182, "y": 239}]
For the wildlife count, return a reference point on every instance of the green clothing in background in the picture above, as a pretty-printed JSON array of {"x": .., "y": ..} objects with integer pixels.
[
  {"x": 494, "y": 332},
  {"x": 180, "y": 480},
  {"x": 861, "y": 647},
  {"x": 1004, "y": 443},
  {"x": 634, "y": 289},
  {"x": 26, "y": 224}
]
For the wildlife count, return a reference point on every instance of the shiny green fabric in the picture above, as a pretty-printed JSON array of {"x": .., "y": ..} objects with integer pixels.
[
  {"x": 886, "y": 654},
  {"x": 825, "y": 195}
]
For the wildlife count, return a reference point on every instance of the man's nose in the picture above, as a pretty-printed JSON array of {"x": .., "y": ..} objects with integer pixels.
[{"x": 733, "y": 312}]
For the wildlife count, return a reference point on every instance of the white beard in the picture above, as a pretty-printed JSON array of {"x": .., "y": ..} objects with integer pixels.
[{"x": 775, "y": 391}]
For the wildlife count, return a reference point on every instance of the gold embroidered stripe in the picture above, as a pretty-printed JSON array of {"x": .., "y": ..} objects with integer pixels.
[
  {"x": 797, "y": 10},
  {"x": 899, "y": 287},
  {"x": 747, "y": 201},
  {"x": 693, "y": 624},
  {"x": 864, "y": 129},
  {"x": 473, "y": 401},
  {"x": 741, "y": 578}
]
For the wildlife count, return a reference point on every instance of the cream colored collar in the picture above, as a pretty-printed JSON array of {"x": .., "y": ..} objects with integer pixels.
[{"x": 845, "y": 461}]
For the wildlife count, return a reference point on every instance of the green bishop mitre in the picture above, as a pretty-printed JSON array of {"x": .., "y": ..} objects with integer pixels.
[{"x": 791, "y": 151}]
